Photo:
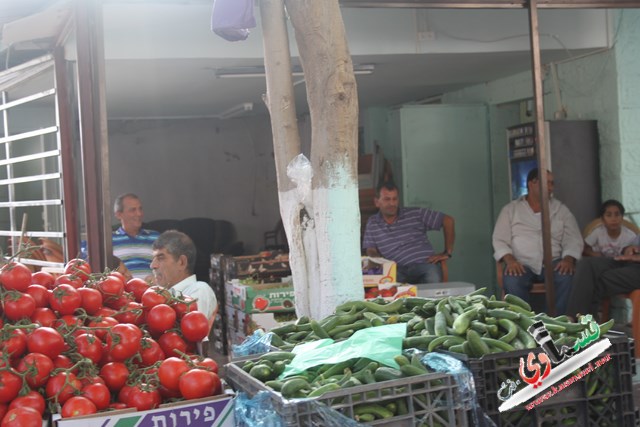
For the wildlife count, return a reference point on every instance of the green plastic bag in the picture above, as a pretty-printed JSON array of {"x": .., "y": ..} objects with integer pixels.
[{"x": 380, "y": 344}]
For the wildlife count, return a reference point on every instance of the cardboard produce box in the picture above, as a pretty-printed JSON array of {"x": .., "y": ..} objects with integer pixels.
[
  {"x": 214, "y": 411},
  {"x": 261, "y": 298},
  {"x": 390, "y": 291},
  {"x": 378, "y": 270}
]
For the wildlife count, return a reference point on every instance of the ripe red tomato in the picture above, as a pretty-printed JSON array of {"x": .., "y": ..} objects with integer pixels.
[
  {"x": 91, "y": 300},
  {"x": 132, "y": 312},
  {"x": 78, "y": 267},
  {"x": 187, "y": 305},
  {"x": 155, "y": 295},
  {"x": 68, "y": 322},
  {"x": 89, "y": 346},
  {"x": 105, "y": 312},
  {"x": 170, "y": 370},
  {"x": 110, "y": 287},
  {"x": 143, "y": 397},
  {"x": 47, "y": 341},
  {"x": 194, "y": 326},
  {"x": 117, "y": 303},
  {"x": 160, "y": 318},
  {"x": 15, "y": 276},
  {"x": 137, "y": 287},
  {"x": 118, "y": 276},
  {"x": 99, "y": 394},
  {"x": 78, "y": 405},
  {"x": 3, "y": 410},
  {"x": 62, "y": 386},
  {"x": 32, "y": 399},
  {"x": 123, "y": 341},
  {"x": 91, "y": 379},
  {"x": 43, "y": 316},
  {"x": 102, "y": 326},
  {"x": 22, "y": 417},
  {"x": 115, "y": 375},
  {"x": 40, "y": 295},
  {"x": 150, "y": 352},
  {"x": 62, "y": 361},
  {"x": 18, "y": 305},
  {"x": 10, "y": 384},
  {"x": 197, "y": 383},
  {"x": 68, "y": 279},
  {"x": 37, "y": 367},
  {"x": 170, "y": 341},
  {"x": 65, "y": 299},
  {"x": 15, "y": 344},
  {"x": 43, "y": 278},
  {"x": 208, "y": 364},
  {"x": 123, "y": 395}
]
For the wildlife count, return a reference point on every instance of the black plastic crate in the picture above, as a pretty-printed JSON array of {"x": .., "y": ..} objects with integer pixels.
[
  {"x": 431, "y": 399},
  {"x": 604, "y": 397}
]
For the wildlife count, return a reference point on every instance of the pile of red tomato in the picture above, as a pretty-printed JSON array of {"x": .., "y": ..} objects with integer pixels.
[{"x": 81, "y": 343}]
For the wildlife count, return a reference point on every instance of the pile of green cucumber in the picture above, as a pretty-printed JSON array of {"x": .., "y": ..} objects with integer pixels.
[
  {"x": 322, "y": 379},
  {"x": 473, "y": 324}
]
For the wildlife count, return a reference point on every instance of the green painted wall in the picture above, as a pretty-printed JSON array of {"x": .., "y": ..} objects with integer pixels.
[
  {"x": 627, "y": 55},
  {"x": 446, "y": 167}
]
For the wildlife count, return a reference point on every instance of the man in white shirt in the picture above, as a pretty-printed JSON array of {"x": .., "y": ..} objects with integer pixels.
[
  {"x": 174, "y": 258},
  {"x": 517, "y": 242}
]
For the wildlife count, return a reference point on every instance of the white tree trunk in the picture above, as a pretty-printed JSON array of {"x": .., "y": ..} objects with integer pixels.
[
  {"x": 286, "y": 145},
  {"x": 333, "y": 105}
]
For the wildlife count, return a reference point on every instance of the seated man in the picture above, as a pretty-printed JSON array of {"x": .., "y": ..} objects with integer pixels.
[
  {"x": 600, "y": 277},
  {"x": 517, "y": 242},
  {"x": 399, "y": 234},
  {"x": 132, "y": 243},
  {"x": 174, "y": 258}
]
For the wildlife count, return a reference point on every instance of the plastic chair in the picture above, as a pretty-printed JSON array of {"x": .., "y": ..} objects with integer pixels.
[{"x": 633, "y": 296}]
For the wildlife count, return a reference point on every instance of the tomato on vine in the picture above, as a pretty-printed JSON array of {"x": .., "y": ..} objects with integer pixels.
[
  {"x": 18, "y": 305},
  {"x": 36, "y": 367},
  {"x": 40, "y": 295},
  {"x": 10, "y": 384},
  {"x": 172, "y": 343},
  {"x": 77, "y": 406},
  {"x": 43, "y": 278},
  {"x": 194, "y": 326},
  {"x": 123, "y": 341},
  {"x": 32, "y": 399},
  {"x": 65, "y": 299},
  {"x": 47, "y": 341},
  {"x": 115, "y": 375},
  {"x": 22, "y": 417},
  {"x": 78, "y": 267},
  {"x": 15, "y": 276},
  {"x": 62, "y": 386},
  {"x": 160, "y": 318},
  {"x": 170, "y": 370}
]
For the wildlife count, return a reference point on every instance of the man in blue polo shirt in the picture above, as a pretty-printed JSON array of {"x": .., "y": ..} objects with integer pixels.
[
  {"x": 400, "y": 234},
  {"x": 132, "y": 243}
]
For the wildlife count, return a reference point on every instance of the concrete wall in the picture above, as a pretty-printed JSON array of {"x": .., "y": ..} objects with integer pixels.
[
  {"x": 628, "y": 66},
  {"x": 199, "y": 168}
]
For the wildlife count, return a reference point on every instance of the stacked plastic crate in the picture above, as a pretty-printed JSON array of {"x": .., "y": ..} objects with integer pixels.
[
  {"x": 234, "y": 321},
  {"x": 603, "y": 397}
]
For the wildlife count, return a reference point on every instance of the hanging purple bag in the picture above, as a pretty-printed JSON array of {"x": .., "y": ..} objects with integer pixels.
[{"x": 231, "y": 19}]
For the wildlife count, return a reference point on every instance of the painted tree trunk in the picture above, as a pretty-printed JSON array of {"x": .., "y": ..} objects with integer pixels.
[
  {"x": 286, "y": 146},
  {"x": 333, "y": 107}
]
